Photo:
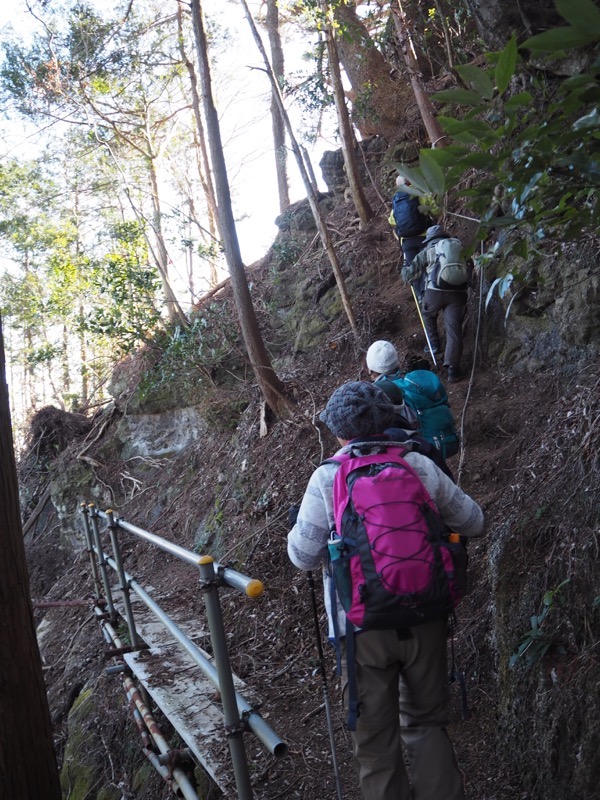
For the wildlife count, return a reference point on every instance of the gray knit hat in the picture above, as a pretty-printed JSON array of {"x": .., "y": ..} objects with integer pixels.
[
  {"x": 358, "y": 409},
  {"x": 382, "y": 357},
  {"x": 434, "y": 232}
]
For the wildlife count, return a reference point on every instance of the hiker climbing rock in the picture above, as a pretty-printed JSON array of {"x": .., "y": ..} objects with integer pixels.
[
  {"x": 446, "y": 275},
  {"x": 420, "y": 400},
  {"x": 410, "y": 224},
  {"x": 400, "y": 660}
]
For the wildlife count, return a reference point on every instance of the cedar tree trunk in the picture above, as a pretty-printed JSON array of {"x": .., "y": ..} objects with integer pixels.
[{"x": 27, "y": 761}]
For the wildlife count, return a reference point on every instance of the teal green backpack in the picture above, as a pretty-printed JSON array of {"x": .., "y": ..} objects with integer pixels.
[{"x": 426, "y": 407}]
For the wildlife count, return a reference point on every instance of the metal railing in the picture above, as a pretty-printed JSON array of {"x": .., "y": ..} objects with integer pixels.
[{"x": 239, "y": 715}]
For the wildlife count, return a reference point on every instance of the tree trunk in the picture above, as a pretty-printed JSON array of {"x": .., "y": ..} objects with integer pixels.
[
  {"x": 308, "y": 185},
  {"x": 66, "y": 367},
  {"x": 271, "y": 387},
  {"x": 212, "y": 233},
  {"x": 276, "y": 118},
  {"x": 204, "y": 171},
  {"x": 83, "y": 358},
  {"x": 162, "y": 259},
  {"x": 379, "y": 103},
  {"x": 436, "y": 135},
  {"x": 27, "y": 760},
  {"x": 361, "y": 204}
]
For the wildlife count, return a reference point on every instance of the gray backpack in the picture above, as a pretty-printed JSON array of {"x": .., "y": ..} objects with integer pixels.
[{"x": 448, "y": 271}]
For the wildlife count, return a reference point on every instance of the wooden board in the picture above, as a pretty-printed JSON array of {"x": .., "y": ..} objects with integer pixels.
[{"x": 188, "y": 698}]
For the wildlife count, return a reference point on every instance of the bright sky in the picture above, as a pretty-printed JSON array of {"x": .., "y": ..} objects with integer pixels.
[
  {"x": 245, "y": 119},
  {"x": 243, "y": 103},
  {"x": 255, "y": 185}
]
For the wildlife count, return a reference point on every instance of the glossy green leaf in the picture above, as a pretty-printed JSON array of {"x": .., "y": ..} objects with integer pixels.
[
  {"x": 448, "y": 156},
  {"x": 478, "y": 81},
  {"x": 490, "y": 293},
  {"x": 462, "y": 97},
  {"x": 433, "y": 173},
  {"x": 452, "y": 125},
  {"x": 416, "y": 178},
  {"x": 505, "y": 68},
  {"x": 581, "y": 14},
  {"x": 502, "y": 222},
  {"x": 519, "y": 100},
  {"x": 480, "y": 160},
  {"x": 576, "y": 82},
  {"x": 559, "y": 39},
  {"x": 469, "y": 129},
  {"x": 503, "y": 285}
]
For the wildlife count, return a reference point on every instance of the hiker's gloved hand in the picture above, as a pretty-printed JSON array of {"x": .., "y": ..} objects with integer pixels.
[{"x": 293, "y": 512}]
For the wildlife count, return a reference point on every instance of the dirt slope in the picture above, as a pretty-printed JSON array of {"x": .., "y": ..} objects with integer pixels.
[{"x": 245, "y": 484}]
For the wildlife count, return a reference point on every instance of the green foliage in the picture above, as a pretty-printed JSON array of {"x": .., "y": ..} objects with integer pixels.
[
  {"x": 538, "y": 160},
  {"x": 286, "y": 251},
  {"x": 362, "y": 105},
  {"x": 42, "y": 354},
  {"x": 196, "y": 352},
  {"x": 535, "y": 643},
  {"x": 126, "y": 310},
  {"x": 427, "y": 181},
  {"x": 311, "y": 92},
  {"x": 123, "y": 634},
  {"x": 584, "y": 28}
]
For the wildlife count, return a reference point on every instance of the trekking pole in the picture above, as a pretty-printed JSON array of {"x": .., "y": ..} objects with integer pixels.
[
  {"x": 412, "y": 288},
  {"x": 336, "y": 770}
]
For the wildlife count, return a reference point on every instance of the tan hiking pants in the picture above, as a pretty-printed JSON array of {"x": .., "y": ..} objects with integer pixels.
[{"x": 410, "y": 676}]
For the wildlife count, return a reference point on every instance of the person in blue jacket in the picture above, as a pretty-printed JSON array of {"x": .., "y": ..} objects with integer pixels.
[{"x": 409, "y": 223}]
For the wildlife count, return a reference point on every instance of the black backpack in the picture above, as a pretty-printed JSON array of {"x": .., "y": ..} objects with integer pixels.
[{"x": 409, "y": 220}]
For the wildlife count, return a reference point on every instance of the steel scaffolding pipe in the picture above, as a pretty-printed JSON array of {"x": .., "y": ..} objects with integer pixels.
[
  {"x": 145, "y": 721},
  {"x": 255, "y": 722},
  {"x": 233, "y": 722},
  {"x": 114, "y": 539},
  {"x": 89, "y": 547},
  {"x": 94, "y": 514},
  {"x": 249, "y": 586}
]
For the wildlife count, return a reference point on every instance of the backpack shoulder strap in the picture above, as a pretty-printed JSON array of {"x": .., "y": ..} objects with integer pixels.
[
  {"x": 360, "y": 449},
  {"x": 391, "y": 388}
]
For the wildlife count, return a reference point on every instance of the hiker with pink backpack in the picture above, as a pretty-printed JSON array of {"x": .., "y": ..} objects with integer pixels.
[{"x": 374, "y": 517}]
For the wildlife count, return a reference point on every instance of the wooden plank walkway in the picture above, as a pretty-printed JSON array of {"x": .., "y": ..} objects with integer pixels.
[{"x": 188, "y": 699}]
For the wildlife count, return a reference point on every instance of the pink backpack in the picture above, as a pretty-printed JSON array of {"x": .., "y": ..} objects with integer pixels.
[{"x": 391, "y": 565}]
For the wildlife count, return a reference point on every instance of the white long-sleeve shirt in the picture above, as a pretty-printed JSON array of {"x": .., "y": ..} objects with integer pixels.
[{"x": 307, "y": 541}]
